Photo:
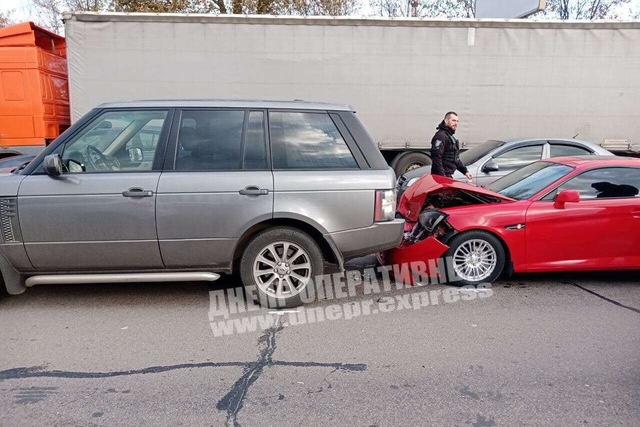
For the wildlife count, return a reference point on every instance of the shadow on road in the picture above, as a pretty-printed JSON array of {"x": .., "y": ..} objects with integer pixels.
[
  {"x": 182, "y": 293},
  {"x": 169, "y": 293}
]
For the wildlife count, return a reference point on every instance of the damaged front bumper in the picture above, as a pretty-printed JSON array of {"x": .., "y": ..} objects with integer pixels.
[
  {"x": 422, "y": 258},
  {"x": 427, "y": 230},
  {"x": 422, "y": 248}
]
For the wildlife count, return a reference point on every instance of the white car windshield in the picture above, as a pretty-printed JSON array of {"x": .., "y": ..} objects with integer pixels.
[{"x": 474, "y": 154}]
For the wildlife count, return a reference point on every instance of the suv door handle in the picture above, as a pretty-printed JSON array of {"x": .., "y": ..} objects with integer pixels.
[
  {"x": 253, "y": 190},
  {"x": 635, "y": 213},
  {"x": 137, "y": 192}
]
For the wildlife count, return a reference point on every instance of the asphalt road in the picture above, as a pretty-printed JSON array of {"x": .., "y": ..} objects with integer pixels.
[{"x": 540, "y": 350}]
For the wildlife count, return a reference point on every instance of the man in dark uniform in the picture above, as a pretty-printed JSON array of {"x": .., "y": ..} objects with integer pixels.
[{"x": 445, "y": 149}]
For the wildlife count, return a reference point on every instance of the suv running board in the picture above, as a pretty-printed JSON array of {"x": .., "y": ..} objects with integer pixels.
[{"x": 54, "y": 279}]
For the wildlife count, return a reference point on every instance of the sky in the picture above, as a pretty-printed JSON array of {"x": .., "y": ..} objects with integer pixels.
[
  {"x": 20, "y": 7},
  {"x": 23, "y": 12}
]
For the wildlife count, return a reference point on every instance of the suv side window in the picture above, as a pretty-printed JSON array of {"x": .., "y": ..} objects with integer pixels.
[
  {"x": 301, "y": 140},
  {"x": 518, "y": 157},
  {"x": 561, "y": 150},
  {"x": 210, "y": 140},
  {"x": 116, "y": 141},
  {"x": 604, "y": 183}
]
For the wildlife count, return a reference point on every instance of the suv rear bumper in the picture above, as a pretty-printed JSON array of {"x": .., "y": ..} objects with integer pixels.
[{"x": 364, "y": 241}]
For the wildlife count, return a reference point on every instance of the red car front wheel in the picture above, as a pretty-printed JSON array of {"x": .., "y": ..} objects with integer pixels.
[{"x": 474, "y": 257}]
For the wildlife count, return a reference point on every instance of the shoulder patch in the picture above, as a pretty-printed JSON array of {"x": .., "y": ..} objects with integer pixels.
[{"x": 438, "y": 143}]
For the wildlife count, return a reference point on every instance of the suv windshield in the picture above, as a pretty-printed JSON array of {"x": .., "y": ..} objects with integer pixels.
[
  {"x": 474, "y": 154},
  {"x": 529, "y": 180}
]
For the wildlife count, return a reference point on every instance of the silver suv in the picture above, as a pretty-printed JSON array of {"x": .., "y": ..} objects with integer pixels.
[{"x": 184, "y": 190}]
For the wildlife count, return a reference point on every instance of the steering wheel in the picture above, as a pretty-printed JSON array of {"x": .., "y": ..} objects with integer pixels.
[{"x": 99, "y": 161}]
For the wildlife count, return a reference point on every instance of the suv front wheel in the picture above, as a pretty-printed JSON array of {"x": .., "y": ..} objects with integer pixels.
[{"x": 282, "y": 263}]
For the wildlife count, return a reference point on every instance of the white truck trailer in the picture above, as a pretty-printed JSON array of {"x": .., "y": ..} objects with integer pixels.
[{"x": 506, "y": 78}]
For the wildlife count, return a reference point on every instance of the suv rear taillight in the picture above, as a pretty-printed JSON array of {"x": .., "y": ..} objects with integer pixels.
[{"x": 385, "y": 208}]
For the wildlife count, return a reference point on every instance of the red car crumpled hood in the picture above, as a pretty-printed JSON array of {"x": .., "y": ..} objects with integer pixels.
[{"x": 413, "y": 199}]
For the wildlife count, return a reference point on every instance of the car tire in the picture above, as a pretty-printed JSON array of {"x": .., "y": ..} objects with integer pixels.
[
  {"x": 280, "y": 285},
  {"x": 473, "y": 258},
  {"x": 406, "y": 162}
]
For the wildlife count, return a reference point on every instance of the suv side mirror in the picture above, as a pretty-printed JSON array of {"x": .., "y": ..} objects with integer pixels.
[
  {"x": 52, "y": 165},
  {"x": 490, "y": 166},
  {"x": 566, "y": 196}
]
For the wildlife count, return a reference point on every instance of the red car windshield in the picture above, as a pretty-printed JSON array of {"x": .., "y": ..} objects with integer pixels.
[{"x": 529, "y": 180}]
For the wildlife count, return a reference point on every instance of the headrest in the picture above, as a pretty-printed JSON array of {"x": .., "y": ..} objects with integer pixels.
[{"x": 188, "y": 138}]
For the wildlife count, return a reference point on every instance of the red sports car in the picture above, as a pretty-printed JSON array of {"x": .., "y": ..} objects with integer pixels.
[{"x": 562, "y": 214}]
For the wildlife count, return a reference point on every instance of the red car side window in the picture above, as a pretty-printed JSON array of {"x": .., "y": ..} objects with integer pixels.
[{"x": 605, "y": 183}]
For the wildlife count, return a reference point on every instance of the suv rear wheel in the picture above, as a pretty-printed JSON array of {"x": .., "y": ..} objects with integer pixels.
[{"x": 281, "y": 263}]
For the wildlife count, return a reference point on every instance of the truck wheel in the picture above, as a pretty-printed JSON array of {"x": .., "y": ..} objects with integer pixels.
[
  {"x": 410, "y": 161},
  {"x": 474, "y": 257},
  {"x": 282, "y": 263}
]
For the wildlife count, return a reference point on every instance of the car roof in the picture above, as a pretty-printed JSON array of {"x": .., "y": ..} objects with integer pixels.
[
  {"x": 543, "y": 138},
  {"x": 228, "y": 103},
  {"x": 593, "y": 146},
  {"x": 595, "y": 160}
]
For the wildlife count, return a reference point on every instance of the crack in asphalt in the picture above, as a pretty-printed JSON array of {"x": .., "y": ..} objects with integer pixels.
[
  {"x": 41, "y": 372},
  {"x": 612, "y": 301},
  {"x": 232, "y": 402}
]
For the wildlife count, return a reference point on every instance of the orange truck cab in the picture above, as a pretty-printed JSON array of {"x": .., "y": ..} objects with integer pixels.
[{"x": 34, "y": 89}]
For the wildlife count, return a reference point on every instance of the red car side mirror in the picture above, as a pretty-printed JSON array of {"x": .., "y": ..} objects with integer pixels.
[{"x": 566, "y": 196}]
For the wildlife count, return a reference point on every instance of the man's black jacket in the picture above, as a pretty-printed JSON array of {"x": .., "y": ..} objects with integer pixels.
[{"x": 445, "y": 152}]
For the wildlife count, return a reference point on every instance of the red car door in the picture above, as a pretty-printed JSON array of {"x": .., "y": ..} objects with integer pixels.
[{"x": 600, "y": 232}]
